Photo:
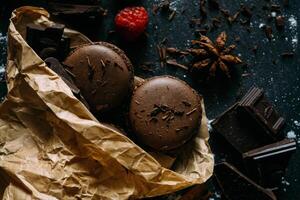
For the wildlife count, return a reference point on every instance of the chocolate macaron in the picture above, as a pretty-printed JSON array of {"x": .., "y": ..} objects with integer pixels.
[
  {"x": 165, "y": 113},
  {"x": 103, "y": 73}
]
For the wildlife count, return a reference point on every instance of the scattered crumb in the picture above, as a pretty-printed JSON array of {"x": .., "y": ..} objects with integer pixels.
[
  {"x": 297, "y": 123},
  {"x": 291, "y": 134}
]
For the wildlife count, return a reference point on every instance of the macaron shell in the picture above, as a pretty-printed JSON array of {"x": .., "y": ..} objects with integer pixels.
[
  {"x": 103, "y": 74},
  {"x": 165, "y": 113}
]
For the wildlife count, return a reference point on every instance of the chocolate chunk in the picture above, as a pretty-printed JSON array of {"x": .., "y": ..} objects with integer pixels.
[
  {"x": 236, "y": 186},
  {"x": 267, "y": 164},
  {"x": 48, "y": 41},
  {"x": 238, "y": 132},
  {"x": 166, "y": 123},
  {"x": 258, "y": 107}
]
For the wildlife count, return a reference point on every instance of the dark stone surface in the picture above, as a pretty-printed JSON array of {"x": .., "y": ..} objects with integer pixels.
[{"x": 280, "y": 78}]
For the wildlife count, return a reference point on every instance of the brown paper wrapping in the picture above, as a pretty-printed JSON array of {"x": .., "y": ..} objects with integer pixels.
[{"x": 52, "y": 147}]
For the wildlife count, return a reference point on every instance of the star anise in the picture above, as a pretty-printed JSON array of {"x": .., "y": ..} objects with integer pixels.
[{"x": 214, "y": 55}]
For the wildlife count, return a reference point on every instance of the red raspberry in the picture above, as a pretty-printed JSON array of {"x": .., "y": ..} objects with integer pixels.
[{"x": 131, "y": 22}]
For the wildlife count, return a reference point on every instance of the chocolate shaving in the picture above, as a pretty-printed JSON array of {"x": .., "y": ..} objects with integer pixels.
[
  {"x": 287, "y": 54},
  {"x": 178, "y": 113},
  {"x": 216, "y": 22},
  {"x": 172, "y": 50},
  {"x": 118, "y": 66},
  {"x": 268, "y": 31},
  {"x": 90, "y": 69},
  {"x": 70, "y": 73},
  {"x": 187, "y": 103},
  {"x": 153, "y": 119},
  {"x": 162, "y": 55},
  {"x": 155, "y": 111},
  {"x": 173, "y": 62},
  {"x": 203, "y": 12},
  {"x": 279, "y": 22},
  {"x": 226, "y": 13},
  {"x": 155, "y": 9},
  {"x": 191, "y": 112},
  {"x": 172, "y": 15}
]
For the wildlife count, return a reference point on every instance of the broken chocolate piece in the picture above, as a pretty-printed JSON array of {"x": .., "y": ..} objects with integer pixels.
[
  {"x": 48, "y": 41},
  {"x": 242, "y": 135},
  {"x": 257, "y": 106},
  {"x": 236, "y": 186},
  {"x": 267, "y": 164}
]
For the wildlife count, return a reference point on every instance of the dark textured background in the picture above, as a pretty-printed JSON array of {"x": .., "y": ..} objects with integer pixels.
[{"x": 266, "y": 69}]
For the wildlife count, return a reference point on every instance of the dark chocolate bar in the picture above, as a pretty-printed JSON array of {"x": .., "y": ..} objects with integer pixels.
[
  {"x": 257, "y": 106},
  {"x": 236, "y": 186},
  {"x": 239, "y": 133},
  {"x": 267, "y": 164}
]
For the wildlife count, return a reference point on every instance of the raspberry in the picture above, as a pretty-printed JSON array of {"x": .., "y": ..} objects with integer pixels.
[{"x": 131, "y": 22}]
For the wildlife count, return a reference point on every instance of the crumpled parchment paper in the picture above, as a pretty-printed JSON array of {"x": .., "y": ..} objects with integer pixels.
[{"x": 52, "y": 147}]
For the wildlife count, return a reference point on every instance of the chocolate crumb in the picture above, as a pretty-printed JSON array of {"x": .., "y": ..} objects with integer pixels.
[
  {"x": 155, "y": 9},
  {"x": 275, "y": 7},
  {"x": 279, "y": 22},
  {"x": 246, "y": 11},
  {"x": 268, "y": 32},
  {"x": 254, "y": 49},
  {"x": 90, "y": 69}
]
